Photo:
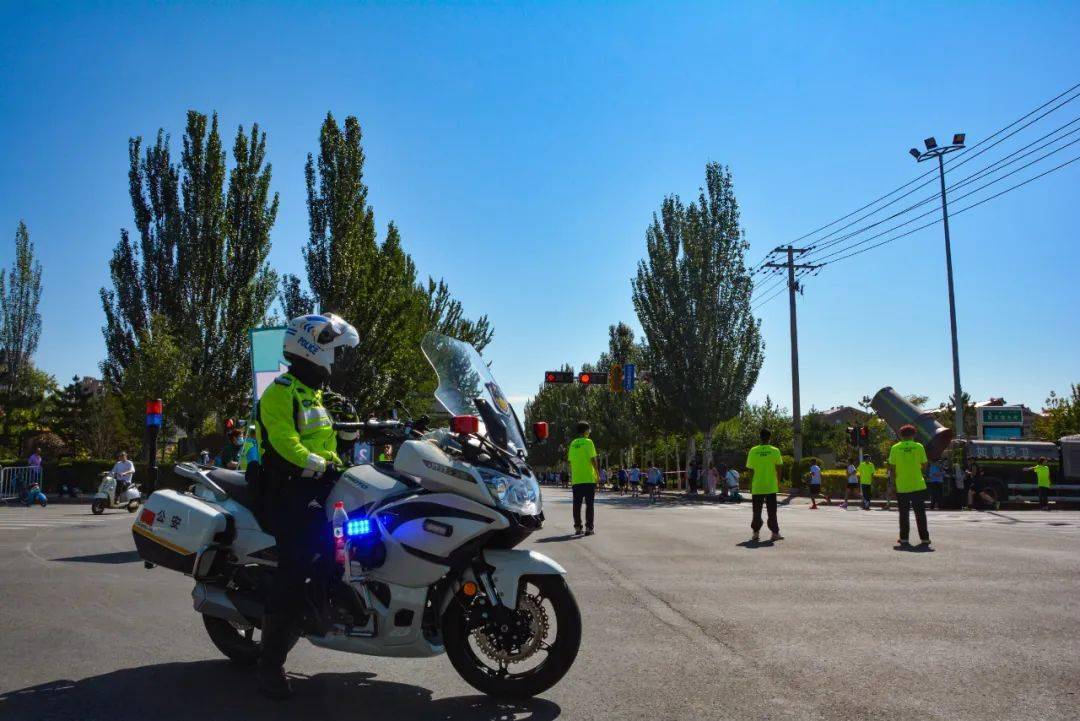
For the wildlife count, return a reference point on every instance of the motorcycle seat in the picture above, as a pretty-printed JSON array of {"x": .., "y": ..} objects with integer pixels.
[{"x": 235, "y": 484}]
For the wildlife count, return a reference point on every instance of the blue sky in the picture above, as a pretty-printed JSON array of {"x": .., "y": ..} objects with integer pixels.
[{"x": 522, "y": 148}]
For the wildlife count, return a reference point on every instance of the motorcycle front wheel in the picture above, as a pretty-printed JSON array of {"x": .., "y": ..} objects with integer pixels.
[
  {"x": 132, "y": 506},
  {"x": 523, "y": 654}
]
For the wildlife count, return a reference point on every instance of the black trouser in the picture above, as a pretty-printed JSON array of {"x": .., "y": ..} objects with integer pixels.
[
  {"x": 935, "y": 494},
  {"x": 865, "y": 494},
  {"x": 916, "y": 501},
  {"x": 769, "y": 501},
  {"x": 1044, "y": 497},
  {"x": 584, "y": 492},
  {"x": 304, "y": 549}
]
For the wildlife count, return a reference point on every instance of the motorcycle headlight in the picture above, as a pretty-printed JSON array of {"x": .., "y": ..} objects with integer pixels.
[{"x": 517, "y": 495}]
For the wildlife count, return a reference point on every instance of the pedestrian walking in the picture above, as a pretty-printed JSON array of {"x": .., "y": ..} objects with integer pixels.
[
  {"x": 584, "y": 472},
  {"x": 1042, "y": 478},
  {"x": 655, "y": 479},
  {"x": 852, "y": 482},
  {"x": 692, "y": 477},
  {"x": 603, "y": 477},
  {"x": 935, "y": 483},
  {"x": 712, "y": 478},
  {"x": 866, "y": 480},
  {"x": 635, "y": 481},
  {"x": 765, "y": 461},
  {"x": 907, "y": 461},
  {"x": 815, "y": 484},
  {"x": 624, "y": 479}
]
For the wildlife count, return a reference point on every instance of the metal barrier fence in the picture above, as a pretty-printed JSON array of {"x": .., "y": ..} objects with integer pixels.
[{"x": 15, "y": 479}]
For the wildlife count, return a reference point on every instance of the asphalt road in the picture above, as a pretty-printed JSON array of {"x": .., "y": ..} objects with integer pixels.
[{"x": 682, "y": 620}]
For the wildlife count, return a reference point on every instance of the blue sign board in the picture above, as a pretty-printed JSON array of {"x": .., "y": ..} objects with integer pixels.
[{"x": 628, "y": 372}]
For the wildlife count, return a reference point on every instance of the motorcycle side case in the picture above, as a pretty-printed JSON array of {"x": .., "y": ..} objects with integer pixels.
[{"x": 173, "y": 528}]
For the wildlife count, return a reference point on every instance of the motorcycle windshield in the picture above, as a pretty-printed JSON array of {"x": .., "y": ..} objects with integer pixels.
[{"x": 464, "y": 377}]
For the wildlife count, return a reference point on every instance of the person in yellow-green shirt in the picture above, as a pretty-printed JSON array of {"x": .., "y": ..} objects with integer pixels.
[
  {"x": 766, "y": 463},
  {"x": 584, "y": 472},
  {"x": 907, "y": 461},
  {"x": 866, "y": 479},
  {"x": 1042, "y": 477}
]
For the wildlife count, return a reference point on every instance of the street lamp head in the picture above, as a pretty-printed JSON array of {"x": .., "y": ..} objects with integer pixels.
[
  {"x": 958, "y": 139},
  {"x": 930, "y": 143},
  {"x": 915, "y": 153}
]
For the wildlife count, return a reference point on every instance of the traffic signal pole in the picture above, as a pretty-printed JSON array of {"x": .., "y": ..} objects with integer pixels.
[{"x": 796, "y": 418}]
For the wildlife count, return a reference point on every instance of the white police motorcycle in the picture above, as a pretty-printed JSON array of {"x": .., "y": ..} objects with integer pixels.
[
  {"x": 107, "y": 496},
  {"x": 426, "y": 562}
]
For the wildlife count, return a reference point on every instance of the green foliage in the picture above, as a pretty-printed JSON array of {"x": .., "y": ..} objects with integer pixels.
[
  {"x": 25, "y": 408},
  {"x": 161, "y": 369},
  {"x": 744, "y": 431},
  {"x": 20, "y": 321},
  {"x": 1061, "y": 416},
  {"x": 199, "y": 264},
  {"x": 371, "y": 284},
  {"x": 692, "y": 297}
]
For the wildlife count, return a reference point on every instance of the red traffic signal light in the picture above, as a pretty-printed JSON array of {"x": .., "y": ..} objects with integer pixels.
[
  {"x": 589, "y": 378},
  {"x": 558, "y": 377},
  {"x": 864, "y": 436}
]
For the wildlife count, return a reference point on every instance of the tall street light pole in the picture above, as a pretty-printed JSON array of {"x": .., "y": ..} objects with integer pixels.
[{"x": 939, "y": 152}]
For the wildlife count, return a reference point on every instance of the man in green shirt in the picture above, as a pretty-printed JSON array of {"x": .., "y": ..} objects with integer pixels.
[
  {"x": 1042, "y": 476},
  {"x": 907, "y": 461},
  {"x": 584, "y": 472},
  {"x": 766, "y": 463},
  {"x": 866, "y": 480}
]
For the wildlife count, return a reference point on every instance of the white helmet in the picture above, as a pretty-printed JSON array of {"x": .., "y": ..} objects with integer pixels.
[{"x": 313, "y": 339}]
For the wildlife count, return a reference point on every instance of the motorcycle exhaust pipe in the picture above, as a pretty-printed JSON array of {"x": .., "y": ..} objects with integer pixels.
[{"x": 213, "y": 601}]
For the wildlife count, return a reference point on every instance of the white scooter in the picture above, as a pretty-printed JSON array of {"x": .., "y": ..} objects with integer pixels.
[
  {"x": 106, "y": 496},
  {"x": 425, "y": 563}
]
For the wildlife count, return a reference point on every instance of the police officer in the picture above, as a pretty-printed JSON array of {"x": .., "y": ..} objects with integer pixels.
[{"x": 298, "y": 455}]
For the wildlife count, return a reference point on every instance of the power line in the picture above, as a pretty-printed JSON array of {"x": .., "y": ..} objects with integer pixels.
[
  {"x": 935, "y": 210},
  {"x": 957, "y": 212},
  {"x": 987, "y": 170},
  {"x": 758, "y": 267}
]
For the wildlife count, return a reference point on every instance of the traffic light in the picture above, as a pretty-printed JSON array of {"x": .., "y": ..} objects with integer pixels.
[
  {"x": 615, "y": 377},
  {"x": 589, "y": 378},
  {"x": 558, "y": 377},
  {"x": 853, "y": 436},
  {"x": 864, "y": 436}
]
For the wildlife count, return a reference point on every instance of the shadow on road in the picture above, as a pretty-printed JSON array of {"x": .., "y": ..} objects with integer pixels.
[
  {"x": 913, "y": 548},
  {"x": 757, "y": 544},
  {"x": 211, "y": 690},
  {"x": 111, "y": 558},
  {"x": 557, "y": 539}
]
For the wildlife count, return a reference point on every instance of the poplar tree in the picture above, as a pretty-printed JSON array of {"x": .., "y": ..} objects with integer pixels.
[
  {"x": 370, "y": 283},
  {"x": 692, "y": 297},
  {"x": 199, "y": 266},
  {"x": 20, "y": 319}
]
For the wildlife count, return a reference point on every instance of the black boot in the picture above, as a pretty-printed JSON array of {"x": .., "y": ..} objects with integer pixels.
[{"x": 278, "y": 636}]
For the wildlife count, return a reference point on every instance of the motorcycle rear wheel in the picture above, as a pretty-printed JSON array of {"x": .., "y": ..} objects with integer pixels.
[
  {"x": 98, "y": 507},
  {"x": 132, "y": 506},
  {"x": 496, "y": 678},
  {"x": 239, "y": 646}
]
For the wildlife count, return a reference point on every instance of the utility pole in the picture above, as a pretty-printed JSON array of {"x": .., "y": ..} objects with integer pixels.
[
  {"x": 934, "y": 151},
  {"x": 792, "y": 288}
]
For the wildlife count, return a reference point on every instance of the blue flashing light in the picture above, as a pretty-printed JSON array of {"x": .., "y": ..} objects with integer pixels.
[{"x": 358, "y": 527}]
